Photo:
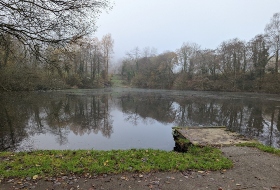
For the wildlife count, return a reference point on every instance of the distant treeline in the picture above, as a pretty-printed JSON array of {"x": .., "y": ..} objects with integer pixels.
[{"x": 235, "y": 65}]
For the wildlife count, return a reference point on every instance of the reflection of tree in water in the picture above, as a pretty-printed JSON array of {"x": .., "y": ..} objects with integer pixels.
[
  {"x": 32, "y": 114},
  {"x": 56, "y": 121},
  {"x": 278, "y": 125},
  {"x": 138, "y": 107},
  {"x": 256, "y": 121},
  {"x": 82, "y": 115},
  {"x": 58, "y": 114},
  {"x": 243, "y": 116},
  {"x": 194, "y": 112},
  {"x": 272, "y": 119},
  {"x": 13, "y": 119}
]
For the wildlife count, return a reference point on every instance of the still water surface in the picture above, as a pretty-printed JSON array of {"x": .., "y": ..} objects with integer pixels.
[{"x": 120, "y": 118}]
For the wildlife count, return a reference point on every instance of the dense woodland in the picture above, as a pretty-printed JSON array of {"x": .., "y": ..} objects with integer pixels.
[
  {"x": 83, "y": 64},
  {"x": 235, "y": 65}
]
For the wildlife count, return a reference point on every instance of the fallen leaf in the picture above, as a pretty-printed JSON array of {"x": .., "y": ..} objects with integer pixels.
[
  {"x": 200, "y": 172},
  {"x": 35, "y": 177},
  {"x": 106, "y": 163}
]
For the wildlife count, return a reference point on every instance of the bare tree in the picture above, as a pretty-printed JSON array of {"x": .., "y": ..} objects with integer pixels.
[
  {"x": 49, "y": 21},
  {"x": 107, "y": 44},
  {"x": 185, "y": 54},
  {"x": 206, "y": 62},
  {"x": 233, "y": 56},
  {"x": 149, "y": 52},
  {"x": 260, "y": 56},
  {"x": 166, "y": 62},
  {"x": 272, "y": 31},
  {"x": 134, "y": 55}
]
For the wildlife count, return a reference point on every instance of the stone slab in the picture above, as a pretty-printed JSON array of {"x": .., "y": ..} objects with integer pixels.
[{"x": 212, "y": 136}]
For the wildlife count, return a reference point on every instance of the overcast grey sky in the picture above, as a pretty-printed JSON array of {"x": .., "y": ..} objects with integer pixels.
[{"x": 166, "y": 24}]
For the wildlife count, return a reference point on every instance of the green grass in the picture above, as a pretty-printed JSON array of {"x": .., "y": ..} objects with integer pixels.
[
  {"x": 183, "y": 141},
  {"x": 117, "y": 81},
  {"x": 262, "y": 147},
  {"x": 54, "y": 162}
]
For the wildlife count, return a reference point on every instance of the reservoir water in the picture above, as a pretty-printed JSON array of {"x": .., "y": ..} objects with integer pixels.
[{"x": 123, "y": 118}]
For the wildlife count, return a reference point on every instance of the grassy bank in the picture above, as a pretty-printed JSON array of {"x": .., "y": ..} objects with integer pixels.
[
  {"x": 117, "y": 81},
  {"x": 53, "y": 162},
  {"x": 262, "y": 147}
]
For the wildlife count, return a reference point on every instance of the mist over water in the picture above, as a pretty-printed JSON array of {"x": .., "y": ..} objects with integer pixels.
[{"x": 120, "y": 118}]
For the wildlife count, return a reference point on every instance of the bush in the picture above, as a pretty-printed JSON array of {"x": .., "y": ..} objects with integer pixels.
[
  {"x": 16, "y": 78},
  {"x": 73, "y": 80}
]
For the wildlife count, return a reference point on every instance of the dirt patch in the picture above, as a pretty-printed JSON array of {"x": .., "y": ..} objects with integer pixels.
[{"x": 253, "y": 169}]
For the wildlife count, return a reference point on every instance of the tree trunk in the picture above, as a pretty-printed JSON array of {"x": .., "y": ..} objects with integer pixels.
[
  {"x": 276, "y": 60},
  {"x": 7, "y": 53}
]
